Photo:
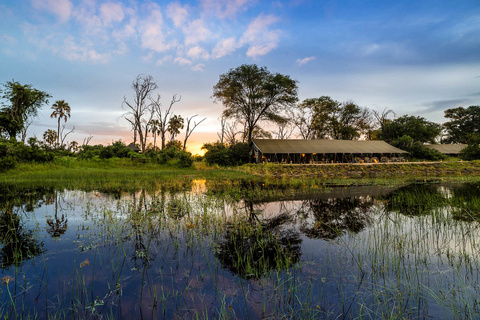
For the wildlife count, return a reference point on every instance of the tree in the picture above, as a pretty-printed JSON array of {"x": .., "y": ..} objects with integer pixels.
[
  {"x": 381, "y": 125},
  {"x": 155, "y": 128},
  {"x": 23, "y": 103},
  {"x": 464, "y": 121},
  {"x": 190, "y": 128},
  {"x": 174, "y": 125},
  {"x": 61, "y": 110},
  {"x": 418, "y": 128},
  {"x": 164, "y": 116},
  {"x": 472, "y": 151},
  {"x": 253, "y": 94},
  {"x": 140, "y": 112},
  {"x": 50, "y": 136},
  {"x": 325, "y": 118}
]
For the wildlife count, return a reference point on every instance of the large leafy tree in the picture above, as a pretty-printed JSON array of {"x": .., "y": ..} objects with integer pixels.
[
  {"x": 20, "y": 104},
  {"x": 417, "y": 128},
  {"x": 61, "y": 110},
  {"x": 252, "y": 94},
  {"x": 325, "y": 118},
  {"x": 464, "y": 121}
]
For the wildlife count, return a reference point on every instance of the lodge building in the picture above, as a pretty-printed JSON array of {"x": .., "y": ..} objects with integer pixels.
[{"x": 325, "y": 151}]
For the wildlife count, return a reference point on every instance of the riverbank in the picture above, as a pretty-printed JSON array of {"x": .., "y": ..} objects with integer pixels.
[
  {"x": 404, "y": 170},
  {"x": 122, "y": 174}
]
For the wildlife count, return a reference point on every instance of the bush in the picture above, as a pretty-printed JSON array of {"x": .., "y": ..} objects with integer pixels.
[
  {"x": 178, "y": 158},
  {"x": 472, "y": 151},
  {"x": 185, "y": 159},
  {"x": 7, "y": 163},
  {"x": 20, "y": 152},
  {"x": 417, "y": 150},
  {"x": 219, "y": 153}
]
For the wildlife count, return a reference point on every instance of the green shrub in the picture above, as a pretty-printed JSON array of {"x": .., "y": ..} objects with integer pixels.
[
  {"x": 219, "y": 153},
  {"x": 472, "y": 151},
  {"x": 419, "y": 151},
  {"x": 7, "y": 163},
  {"x": 185, "y": 159}
]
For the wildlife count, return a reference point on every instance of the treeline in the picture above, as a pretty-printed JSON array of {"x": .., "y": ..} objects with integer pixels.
[
  {"x": 20, "y": 105},
  {"x": 253, "y": 97},
  {"x": 34, "y": 151},
  {"x": 254, "y": 101}
]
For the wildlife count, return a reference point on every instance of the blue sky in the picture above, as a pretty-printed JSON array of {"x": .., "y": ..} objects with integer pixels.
[{"x": 414, "y": 57}]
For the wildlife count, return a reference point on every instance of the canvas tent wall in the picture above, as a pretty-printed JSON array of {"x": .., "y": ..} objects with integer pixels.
[
  {"x": 299, "y": 150},
  {"x": 452, "y": 149}
]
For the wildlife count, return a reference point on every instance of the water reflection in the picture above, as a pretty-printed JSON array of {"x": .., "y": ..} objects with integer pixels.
[
  {"x": 331, "y": 218},
  {"x": 337, "y": 253},
  {"x": 252, "y": 247},
  {"x": 18, "y": 243}
]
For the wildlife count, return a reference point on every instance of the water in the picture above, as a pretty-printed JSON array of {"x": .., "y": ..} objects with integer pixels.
[{"x": 373, "y": 252}]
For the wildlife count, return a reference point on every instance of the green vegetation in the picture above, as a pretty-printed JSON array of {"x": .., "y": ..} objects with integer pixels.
[
  {"x": 226, "y": 155},
  {"x": 253, "y": 94},
  {"x": 472, "y": 151},
  {"x": 20, "y": 106}
]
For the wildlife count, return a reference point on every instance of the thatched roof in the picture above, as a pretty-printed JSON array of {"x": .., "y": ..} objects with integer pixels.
[
  {"x": 447, "y": 148},
  {"x": 323, "y": 146}
]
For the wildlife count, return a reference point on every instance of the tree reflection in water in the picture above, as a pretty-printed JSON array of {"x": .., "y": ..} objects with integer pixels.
[
  {"x": 56, "y": 226},
  {"x": 331, "y": 218},
  {"x": 17, "y": 242},
  {"x": 252, "y": 247}
]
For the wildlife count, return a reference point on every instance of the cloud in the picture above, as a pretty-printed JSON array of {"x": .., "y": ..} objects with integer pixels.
[
  {"x": 75, "y": 52},
  {"x": 111, "y": 12},
  {"x": 177, "y": 13},
  {"x": 198, "y": 53},
  {"x": 195, "y": 32},
  {"x": 259, "y": 37},
  {"x": 182, "y": 61},
  {"x": 226, "y": 8},
  {"x": 199, "y": 67},
  {"x": 225, "y": 47},
  {"x": 442, "y": 105},
  {"x": 60, "y": 8},
  {"x": 305, "y": 60},
  {"x": 152, "y": 31}
]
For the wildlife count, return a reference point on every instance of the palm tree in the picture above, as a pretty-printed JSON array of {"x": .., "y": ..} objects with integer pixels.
[
  {"x": 61, "y": 109},
  {"x": 50, "y": 136},
  {"x": 155, "y": 128},
  {"x": 174, "y": 125}
]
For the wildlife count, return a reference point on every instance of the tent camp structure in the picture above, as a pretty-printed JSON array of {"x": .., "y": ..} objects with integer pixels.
[
  {"x": 450, "y": 149},
  {"x": 322, "y": 151}
]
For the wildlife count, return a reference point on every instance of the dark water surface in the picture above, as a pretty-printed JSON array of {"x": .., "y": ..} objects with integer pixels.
[{"x": 341, "y": 253}]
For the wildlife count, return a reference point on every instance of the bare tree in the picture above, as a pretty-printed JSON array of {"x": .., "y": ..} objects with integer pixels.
[
  {"x": 86, "y": 141},
  {"x": 140, "y": 112},
  {"x": 63, "y": 136},
  {"x": 231, "y": 132},
  {"x": 164, "y": 116},
  {"x": 302, "y": 119},
  {"x": 223, "y": 125},
  {"x": 23, "y": 132},
  {"x": 382, "y": 119},
  {"x": 190, "y": 128},
  {"x": 285, "y": 131}
]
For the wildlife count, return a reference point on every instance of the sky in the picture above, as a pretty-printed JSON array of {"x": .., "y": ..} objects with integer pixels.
[{"x": 413, "y": 57}]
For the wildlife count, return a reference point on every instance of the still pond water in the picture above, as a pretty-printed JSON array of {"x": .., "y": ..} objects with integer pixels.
[{"x": 339, "y": 253}]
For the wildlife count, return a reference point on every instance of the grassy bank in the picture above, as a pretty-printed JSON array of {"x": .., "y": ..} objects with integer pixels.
[
  {"x": 122, "y": 174},
  {"x": 349, "y": 173}
]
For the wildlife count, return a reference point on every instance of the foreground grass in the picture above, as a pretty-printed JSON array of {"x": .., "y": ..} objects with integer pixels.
[{"x": 121, "y": 174}]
